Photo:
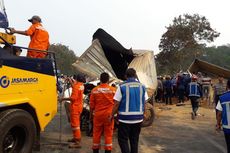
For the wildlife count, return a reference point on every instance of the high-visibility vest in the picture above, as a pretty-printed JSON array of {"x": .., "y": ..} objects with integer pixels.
[
  {"x": 194, "y": 90},
  {"x": 133, "y": 101},
  {"x": 225, "y": 103}
]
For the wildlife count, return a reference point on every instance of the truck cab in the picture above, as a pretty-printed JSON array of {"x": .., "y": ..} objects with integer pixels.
[{"x": 28, "y": 100}]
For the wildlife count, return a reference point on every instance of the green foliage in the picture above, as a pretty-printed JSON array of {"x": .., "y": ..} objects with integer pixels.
[
  {"x": 184, "y": 40},
  {"x": 65, "y": 57},
  {"x": 216, "y": 55},
  {"x": 187, "y": 31},
  {"x": 171, "y": 63}
]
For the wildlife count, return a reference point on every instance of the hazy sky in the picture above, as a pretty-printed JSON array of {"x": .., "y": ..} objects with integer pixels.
[{"x": 134, "y": 23}]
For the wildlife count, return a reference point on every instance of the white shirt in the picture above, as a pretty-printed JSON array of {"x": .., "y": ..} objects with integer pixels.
[
  {"x": 67, "y": 94},
  {"x": 219, "y": 107}
]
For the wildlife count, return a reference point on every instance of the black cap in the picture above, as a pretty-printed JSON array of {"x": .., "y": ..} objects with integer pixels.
[{"x": 35, "y": 17}]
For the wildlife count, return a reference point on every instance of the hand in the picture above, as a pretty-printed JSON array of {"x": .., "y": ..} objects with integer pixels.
[
  {"x": 60, "y": 99},
  {"x": 145, "y": 116},
  {"x": 218, "y": 128},
  {"x": 12, "y": 30},
  {"x": 110, "y": 118}
]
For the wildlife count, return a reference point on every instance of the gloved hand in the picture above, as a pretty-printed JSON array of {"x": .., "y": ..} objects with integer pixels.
[{"x": 12, "y": 30}]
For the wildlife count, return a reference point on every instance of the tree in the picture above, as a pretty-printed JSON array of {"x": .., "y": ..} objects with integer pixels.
[
  {"x": 218, "y": 55},
  {"x": 187, "y": 31},
  {"x": 184, "y": 40},
  {"x": 65, "y": 57}
]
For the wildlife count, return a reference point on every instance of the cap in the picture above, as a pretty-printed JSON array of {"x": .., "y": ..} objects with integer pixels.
[{"x": 35, "y": 17}]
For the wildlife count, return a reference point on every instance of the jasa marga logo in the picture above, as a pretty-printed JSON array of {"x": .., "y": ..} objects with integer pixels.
[{"x": 4, "y": 81}]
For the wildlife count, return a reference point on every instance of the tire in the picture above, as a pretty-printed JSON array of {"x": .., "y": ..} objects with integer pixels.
[
  {"x": 17, "y": 131},
  {"x": 149, "y": 111}
]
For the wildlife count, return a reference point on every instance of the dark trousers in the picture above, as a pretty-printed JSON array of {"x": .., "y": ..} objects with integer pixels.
[
  {"x": 168, "y": 96},
  {"x": 159, "y": 95},
  {"x": 195, "y": 103},
  {"x": 181, "y": 95},
  {"x": 227, "y": 139},
  {"x": 129, "y": 132},
  {"x": 168, "y": 100}
]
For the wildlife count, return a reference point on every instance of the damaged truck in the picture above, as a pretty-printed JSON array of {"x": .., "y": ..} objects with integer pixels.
[{"x": 107, "y": 55}]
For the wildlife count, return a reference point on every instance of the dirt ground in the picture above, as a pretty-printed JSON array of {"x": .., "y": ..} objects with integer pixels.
[{"x": 173, "y": 131}]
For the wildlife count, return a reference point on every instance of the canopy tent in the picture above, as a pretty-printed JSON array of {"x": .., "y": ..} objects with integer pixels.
[
  {"x": 208, "y": 68},
  {"x": 108, "y": 55},
  {"x": 3, "y": 17}
]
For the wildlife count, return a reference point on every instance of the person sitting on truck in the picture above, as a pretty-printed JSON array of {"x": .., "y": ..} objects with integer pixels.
[
  {"x": 13, "y": 50},
  {"x": 39, "y": 38},
  {"x": 17, "y": 51}
]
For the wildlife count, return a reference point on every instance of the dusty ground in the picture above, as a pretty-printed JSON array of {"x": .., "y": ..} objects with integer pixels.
[{"x": 173, "y": 131}]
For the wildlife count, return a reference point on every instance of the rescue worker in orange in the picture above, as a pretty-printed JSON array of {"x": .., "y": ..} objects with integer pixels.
[
  {"x": 76, "y": 108},
  {"x": 101, "y": 106},
  {"x": 38, "y": 35}
]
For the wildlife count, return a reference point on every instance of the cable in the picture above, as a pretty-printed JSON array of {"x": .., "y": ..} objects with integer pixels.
[
  {"x": 59, "y": 143},
  {"x": 60, "y": 107}
]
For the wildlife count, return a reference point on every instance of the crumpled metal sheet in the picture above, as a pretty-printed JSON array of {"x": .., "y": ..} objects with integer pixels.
[
  {"x": 144, "y": 64},
  {"x": 93, "y": 62}
]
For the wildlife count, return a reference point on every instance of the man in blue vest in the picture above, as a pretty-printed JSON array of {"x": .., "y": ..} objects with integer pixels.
[
  {"x": 130, "y": 100},
  {"x": 194, "y": 93},
  {"x": 223, "y": 114}
]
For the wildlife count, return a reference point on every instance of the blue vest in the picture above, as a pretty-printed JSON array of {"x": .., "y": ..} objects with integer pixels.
[
  {"x": 194, "y": 90},
  {"x": 133, "y": 101},
  {"x": 225, "y": 103}
]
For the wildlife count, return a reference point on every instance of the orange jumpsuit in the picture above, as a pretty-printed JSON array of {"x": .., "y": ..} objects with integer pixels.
[
  {"x": 76, "y": 109},
  {"x": 101, "y": 103},
  {"x": 39, "y": 40}
]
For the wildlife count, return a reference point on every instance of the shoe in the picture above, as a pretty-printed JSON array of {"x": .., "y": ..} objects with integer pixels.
[
  {"x": 95, "y": 150},
  {"x": 75, "y": 145},
  {"x": 71, "y": 140},
  {"x": 193, "y": 116}
]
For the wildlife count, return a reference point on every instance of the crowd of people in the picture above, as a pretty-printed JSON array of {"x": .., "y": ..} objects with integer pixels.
[
  {"x": 177, "y": 87},
  {"x": 196, "y": 87}
]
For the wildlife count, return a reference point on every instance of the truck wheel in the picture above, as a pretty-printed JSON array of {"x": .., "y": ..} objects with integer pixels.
[
  {"x": 17, "y": 131},
  {"x": 149, "y": 115}
]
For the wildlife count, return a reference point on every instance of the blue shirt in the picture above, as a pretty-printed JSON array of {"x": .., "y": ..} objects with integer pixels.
[{"x": 168, "y": 84}]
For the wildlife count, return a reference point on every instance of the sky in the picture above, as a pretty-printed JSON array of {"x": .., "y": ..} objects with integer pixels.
[{"x": 134, "y": 23}]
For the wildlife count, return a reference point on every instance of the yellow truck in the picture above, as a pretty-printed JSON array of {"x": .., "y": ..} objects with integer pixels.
[
  {"x": 28, "y": 95},
  {"x": 28, "y": 100}
]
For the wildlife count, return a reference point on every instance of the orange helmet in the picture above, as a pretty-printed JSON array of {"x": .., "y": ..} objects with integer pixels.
[{"x": 194, "y": 77}]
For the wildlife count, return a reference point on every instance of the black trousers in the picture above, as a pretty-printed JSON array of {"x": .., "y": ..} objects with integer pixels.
[
  {"x": 227, "y": 139},
  {"x": 181, "y": 95},
  {"x": 168, "y": 96},
  {"x": 128, "y": 133},
  {"x": 195, "y": 103}
]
